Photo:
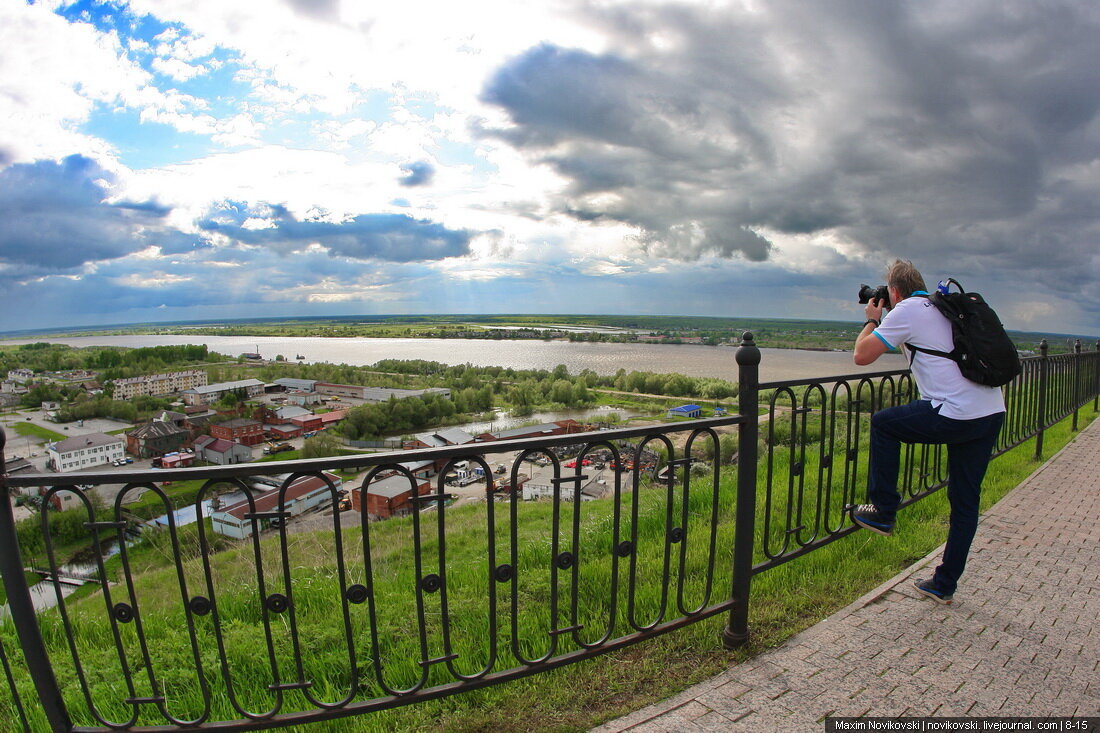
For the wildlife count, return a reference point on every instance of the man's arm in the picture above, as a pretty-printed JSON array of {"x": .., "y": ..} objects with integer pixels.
[{"x": 870, "y": 347}]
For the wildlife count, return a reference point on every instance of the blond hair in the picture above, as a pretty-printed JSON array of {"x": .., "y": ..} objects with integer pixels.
[{"x": 905, "y": 277}]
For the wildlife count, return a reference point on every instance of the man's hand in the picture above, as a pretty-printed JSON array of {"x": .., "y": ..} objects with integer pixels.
[
  {"x": 870, "y": 347},
  {"x": 874, "y": 309}
]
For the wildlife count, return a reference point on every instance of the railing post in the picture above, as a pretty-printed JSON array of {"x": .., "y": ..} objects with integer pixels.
[
  {"x": 1044, "y": 370},
  {"x": 1096, "y": 373},
  {"x": 23, "y": 614},
  {"x": 748, "y": 363},
  {"x": 1076, "y": 380}
]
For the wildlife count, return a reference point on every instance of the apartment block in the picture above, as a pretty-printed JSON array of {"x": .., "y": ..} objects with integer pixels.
[{"x": 159, "y": 384}]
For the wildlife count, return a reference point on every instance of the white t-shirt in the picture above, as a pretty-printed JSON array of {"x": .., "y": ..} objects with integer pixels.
[{"x": 916, "y": 321}]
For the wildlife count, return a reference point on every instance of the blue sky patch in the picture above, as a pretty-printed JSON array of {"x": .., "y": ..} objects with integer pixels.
[{"x": 142, "y": 145}]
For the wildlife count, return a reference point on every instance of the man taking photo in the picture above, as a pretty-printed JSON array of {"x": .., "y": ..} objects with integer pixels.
[{"x": 952, "y": 410}]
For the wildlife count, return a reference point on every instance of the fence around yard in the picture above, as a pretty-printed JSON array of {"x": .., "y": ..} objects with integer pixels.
[{"x": 283, "y": 627}]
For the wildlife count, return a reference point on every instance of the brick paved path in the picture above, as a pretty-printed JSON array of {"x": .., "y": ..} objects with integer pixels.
[{"x": 1022, "y": 637}]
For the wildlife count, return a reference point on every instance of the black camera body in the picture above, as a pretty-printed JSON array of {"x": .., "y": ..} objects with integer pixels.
[{"x": 867, "y": 294}]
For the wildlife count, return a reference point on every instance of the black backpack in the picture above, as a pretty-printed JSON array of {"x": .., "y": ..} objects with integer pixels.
[{"x": 982, "y": 350}]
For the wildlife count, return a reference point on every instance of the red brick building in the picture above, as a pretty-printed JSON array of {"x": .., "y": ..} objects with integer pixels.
[
  {"x": 390, "y": 496},
  {"x": 308, "y": 423},
  {"x": 241, "y": 430},
  {"x": 283, "y": 432}
]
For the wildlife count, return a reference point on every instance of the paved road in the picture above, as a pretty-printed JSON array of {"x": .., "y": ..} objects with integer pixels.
[{"x": 1021, "y": 639}]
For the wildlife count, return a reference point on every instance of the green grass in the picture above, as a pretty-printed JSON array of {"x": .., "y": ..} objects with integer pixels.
[
  {"x": 180, "y": 493},
  {"x": 785, "y": 600},
  {"x": 27, "y": 428},
  {"x": 288, "y": 455}
]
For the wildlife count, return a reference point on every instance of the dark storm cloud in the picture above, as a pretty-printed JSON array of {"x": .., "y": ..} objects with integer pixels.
[
  {"x": 55, "y": 216},
  {"x": 555, "y": 94},
  {"x": 391, "y": 237},
  {"x": 253, "y": 278},
  {"x": 419, "y": 173},
  {"x": 963, "y": 132}
]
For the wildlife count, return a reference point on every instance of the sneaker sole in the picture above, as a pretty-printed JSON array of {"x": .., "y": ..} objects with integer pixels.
[
  {"x": 873, "y": 528},
  {"x": 946, "y": 601}
]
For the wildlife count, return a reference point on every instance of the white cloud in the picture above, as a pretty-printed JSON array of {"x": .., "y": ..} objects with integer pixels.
[
  {"x": 178, "y": 70},
  {"x": 152, "y": 279},
  {"x": 1029, "y": 313},
  {"x": 302, "y": 179},
  {"x": 420, "y": 46},
  {"x": 52, "y": 73}
]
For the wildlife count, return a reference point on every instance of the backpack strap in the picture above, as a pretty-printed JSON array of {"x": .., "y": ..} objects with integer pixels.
[{"x": 952, "y": 355}]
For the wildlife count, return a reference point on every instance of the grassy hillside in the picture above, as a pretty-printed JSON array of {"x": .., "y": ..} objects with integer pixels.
[{"x": 260, "y": 648}]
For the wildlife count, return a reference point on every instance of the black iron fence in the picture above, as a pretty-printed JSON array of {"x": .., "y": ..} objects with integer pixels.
[{"x": 273, "y": 607}]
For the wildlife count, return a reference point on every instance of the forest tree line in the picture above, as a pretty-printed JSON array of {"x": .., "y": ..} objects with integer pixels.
[{"x": 110, "y": 362}]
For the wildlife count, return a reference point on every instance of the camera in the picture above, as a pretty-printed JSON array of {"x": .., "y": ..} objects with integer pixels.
[{"x": 881, "y": 294}]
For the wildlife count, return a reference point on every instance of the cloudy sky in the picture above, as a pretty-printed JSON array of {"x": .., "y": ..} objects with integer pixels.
[{"x": 194, "y": 159}]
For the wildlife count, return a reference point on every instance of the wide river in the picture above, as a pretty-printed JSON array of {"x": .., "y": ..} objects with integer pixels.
[{"x": 694, "y": 361}]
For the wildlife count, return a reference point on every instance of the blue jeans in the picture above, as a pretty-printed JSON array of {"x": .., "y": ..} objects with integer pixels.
[{"x": 969, "y": 447}]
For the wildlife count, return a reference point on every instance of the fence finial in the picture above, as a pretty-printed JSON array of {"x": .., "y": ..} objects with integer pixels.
[{"x": 748, "y": 354}]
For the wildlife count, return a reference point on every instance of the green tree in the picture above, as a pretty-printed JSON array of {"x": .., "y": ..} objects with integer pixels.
[
  {"x": 580, "y": 393},
  {"x": 324, "y": 444},
  {"x": 562, "y": 392}
]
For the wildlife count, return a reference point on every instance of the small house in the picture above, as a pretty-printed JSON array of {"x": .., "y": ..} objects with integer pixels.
[
  {"x": 180, "y": 459},
  {"x": 220, "y": 451}
]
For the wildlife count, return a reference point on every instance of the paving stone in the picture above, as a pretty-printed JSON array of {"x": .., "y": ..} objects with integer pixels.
[
  {"x": 731, "y": 707},
  {"x": 678, "y": 716},
  {"x": 712, "y": 721}
]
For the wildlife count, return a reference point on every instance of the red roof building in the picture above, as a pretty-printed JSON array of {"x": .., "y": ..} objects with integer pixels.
[
  {"x": 308, "y": 423},
  {"x": 303, "y": 494},
  {"x": 329, "y": 419}
]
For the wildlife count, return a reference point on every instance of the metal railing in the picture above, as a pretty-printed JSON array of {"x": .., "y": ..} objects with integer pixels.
[{"x": 283, "y": 626}]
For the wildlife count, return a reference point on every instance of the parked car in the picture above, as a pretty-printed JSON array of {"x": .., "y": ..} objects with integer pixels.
[{"x": 281, "y": 448}]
